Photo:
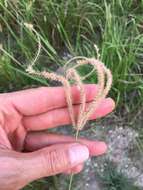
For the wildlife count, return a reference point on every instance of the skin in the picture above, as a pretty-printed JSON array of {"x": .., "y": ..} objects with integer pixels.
[{"x": 27, "y": 151}]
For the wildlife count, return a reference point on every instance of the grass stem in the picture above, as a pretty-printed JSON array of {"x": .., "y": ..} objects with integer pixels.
[{"x": 72, "y": 175}]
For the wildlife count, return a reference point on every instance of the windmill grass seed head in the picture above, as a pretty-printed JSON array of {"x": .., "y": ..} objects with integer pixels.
[{"x": 104, "y": 77}]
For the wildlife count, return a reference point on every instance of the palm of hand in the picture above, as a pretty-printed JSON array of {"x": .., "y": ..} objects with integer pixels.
[{"x": 12, "y": 130}]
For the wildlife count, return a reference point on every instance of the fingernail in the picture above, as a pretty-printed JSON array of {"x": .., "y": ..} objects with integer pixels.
[{"x": 78, "y": 154}]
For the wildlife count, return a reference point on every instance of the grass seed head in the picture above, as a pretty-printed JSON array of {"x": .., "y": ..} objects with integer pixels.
[{"x": 104, "y": 77}]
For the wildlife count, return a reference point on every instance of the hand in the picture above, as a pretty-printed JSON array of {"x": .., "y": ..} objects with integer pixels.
[{"x": 26, "y": 151}]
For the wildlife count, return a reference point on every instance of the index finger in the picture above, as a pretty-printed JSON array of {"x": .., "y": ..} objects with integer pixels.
[{"x": 39, "y": 100}]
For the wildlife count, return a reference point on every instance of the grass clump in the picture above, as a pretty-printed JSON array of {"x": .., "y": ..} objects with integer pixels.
[
  {"x": 73, "y": 27},
  {"x": 114, "y": 180}
]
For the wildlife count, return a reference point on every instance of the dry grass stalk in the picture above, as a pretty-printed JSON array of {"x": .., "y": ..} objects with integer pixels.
[
  {"x": 103, "y": 74},
  {"x": 104, "y": 77}
]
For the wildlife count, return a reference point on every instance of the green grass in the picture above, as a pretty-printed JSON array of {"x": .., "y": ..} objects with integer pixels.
[
  {"x": 46, "y": 184},
  {"x": 114, "y": 180},
  {"x": 73, "y": 27}
]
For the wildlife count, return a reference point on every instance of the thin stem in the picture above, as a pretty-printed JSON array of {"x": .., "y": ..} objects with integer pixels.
[
  {"x": 72, "y": 175},
  {"x": 77, "y": 134},
  {"x": 9, "y": 55},
  {"x": 71, "y": 180}
]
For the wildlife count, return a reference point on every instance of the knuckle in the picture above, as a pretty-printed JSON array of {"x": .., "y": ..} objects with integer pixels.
[{"x": 55, "y": 161}]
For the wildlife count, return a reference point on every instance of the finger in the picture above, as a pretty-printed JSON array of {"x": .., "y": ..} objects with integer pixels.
[
  {"x": 75, "y": 170},
  {"x": 40, "y": 100},
  {"x": 38, "y": 140},
  {"x": 53, "y": 160},
  {"x": 61, "y": 116}
]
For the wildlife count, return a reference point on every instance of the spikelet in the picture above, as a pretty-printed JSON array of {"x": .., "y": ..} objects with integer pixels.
[{"x": 61, "y": 79}]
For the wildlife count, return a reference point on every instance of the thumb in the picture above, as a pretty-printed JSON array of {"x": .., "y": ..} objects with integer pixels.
[{"x": 54, "y": 159}]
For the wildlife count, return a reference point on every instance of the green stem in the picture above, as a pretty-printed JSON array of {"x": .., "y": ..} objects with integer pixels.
[
  {"x": 71, "y": 179},
  {"x": 77, "y": 134},
  {"x": 72, "y": 175}
]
